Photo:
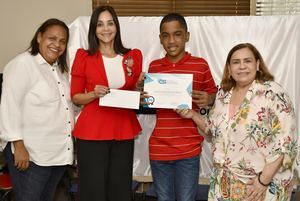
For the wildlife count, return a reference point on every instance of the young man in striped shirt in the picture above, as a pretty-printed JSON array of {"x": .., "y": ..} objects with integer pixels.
[{"x": 175, "y": 143}]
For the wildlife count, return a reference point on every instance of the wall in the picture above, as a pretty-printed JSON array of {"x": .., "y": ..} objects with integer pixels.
[{"x": 20, "y": 19}]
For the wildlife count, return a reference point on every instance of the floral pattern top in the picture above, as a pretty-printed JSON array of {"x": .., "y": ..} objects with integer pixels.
[{"x": 262, "y": 129}]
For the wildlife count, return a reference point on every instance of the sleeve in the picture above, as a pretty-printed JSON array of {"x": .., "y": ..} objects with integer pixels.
[
  {"x": 208, "y": 122},
  {"x": 283, "y": 130},
  {"x": 16, "y": 80},
  {"x": 78, "y": 78},
  {"x": 150, "y": 69},
  {"x": 209, "y": 83},
  {"x": 138, "y": 62},
  {"x": 209, "y": 119},
  {"x": 136, "y": 56}
]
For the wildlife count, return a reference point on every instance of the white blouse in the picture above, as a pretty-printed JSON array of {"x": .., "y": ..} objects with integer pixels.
[
  {"x": 36, "y": 108},
  {"x": 114, "y": 71}
]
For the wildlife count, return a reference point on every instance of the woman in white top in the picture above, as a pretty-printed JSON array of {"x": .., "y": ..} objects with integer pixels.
[{"x": 36, "y": 115}]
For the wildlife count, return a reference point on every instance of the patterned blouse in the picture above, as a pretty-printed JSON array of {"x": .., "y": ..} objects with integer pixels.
[{"x": 262, "y": 129}]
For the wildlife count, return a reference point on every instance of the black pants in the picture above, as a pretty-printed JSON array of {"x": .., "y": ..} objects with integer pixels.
[{"x": 105, "y": 170}]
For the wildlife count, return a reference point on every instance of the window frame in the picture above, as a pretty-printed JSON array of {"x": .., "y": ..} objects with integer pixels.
[{"x": 188, "y": 8}]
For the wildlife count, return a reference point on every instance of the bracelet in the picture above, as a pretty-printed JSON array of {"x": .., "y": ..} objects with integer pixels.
[{"x": 258, "y": 177}]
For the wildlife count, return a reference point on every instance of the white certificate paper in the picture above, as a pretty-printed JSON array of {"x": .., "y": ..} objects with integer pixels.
[
  {"x": 121, "y": 99},
  {"x": 169, "y": 90}
]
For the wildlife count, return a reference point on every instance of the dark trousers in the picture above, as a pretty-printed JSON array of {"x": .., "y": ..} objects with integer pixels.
[
  {"x": 105, "y": 170},
  {"x": 37, "y": 183}
]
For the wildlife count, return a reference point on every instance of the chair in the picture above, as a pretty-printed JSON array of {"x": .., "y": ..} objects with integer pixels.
[{"x": 5, "y": 187}]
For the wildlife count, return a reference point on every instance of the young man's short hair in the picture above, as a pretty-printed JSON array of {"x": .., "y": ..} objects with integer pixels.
[{"x": 174, "y": 17}]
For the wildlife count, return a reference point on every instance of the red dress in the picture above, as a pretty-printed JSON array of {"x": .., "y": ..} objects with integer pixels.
[{"x": 97, "y": 122}]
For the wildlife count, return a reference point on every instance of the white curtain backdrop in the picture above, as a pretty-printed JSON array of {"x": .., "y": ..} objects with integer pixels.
[{"x": 276, "y": 37}]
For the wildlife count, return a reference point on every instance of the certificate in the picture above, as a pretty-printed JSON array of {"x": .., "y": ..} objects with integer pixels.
[
  {"x": 168, "y": 90},
  {"x": 121, "y": 99}
]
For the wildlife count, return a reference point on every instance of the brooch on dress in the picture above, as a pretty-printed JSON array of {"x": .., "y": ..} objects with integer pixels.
[{"x": 129, "y": 63}]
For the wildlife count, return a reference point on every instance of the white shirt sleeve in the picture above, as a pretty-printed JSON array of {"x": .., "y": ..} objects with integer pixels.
[{"x": 14, "y": 87}]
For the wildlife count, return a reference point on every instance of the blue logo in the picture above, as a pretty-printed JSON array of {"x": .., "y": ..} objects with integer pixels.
[
  {"x": 150, "y": 100},
  {"x": 162, "y": 81}
]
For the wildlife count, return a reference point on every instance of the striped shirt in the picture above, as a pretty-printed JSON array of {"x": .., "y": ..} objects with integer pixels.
[{"x": 175, "y": 138}]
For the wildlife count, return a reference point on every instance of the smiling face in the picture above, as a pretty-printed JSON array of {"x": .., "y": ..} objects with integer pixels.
[
  {"x": 106, "y": 28},
  {"x": 52, "y": 43},
  {"x": 173, "y": 38},
  {"x": 243, "y": 67}
]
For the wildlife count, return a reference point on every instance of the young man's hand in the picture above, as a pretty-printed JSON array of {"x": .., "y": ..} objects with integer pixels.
[
  {"x": 202, "y": 98},
  {"x": 143, "y": 96}
]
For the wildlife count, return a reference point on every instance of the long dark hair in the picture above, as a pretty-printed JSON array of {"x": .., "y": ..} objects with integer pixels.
[
  {"x": 262, "y": 75},
  {"x": 92, "y": 37},
  {"x": 34, "y": 45}
]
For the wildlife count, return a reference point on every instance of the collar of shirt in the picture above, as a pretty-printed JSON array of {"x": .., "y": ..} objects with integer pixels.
[
  {"x": 40, "y": 60},
  {"x": 165, "y": 61},
  {"x": 227, "y": 95}
]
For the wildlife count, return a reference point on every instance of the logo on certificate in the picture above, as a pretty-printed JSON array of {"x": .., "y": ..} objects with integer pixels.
[
  {"x": 162, "y": 81},
  {"x": 150, "y": 100}
]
